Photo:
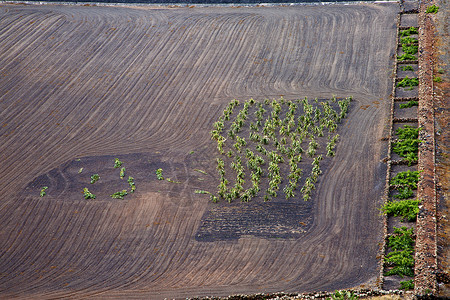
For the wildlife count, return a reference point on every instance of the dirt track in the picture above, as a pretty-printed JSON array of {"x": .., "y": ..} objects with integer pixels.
[{"x": 146, "y": 85}]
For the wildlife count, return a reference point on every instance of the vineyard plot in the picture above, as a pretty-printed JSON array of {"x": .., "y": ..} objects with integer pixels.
[{"x": 275, "y": 146}]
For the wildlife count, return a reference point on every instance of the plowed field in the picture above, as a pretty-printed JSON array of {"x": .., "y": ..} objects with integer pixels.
[{"x": 80, "y": 86}]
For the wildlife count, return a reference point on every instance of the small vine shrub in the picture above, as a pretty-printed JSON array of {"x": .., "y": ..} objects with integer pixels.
[
  {"x": 407, "y": 209},
  {"x": 94, "y": 178},
  {"x": 408, "y": 82},
  {"x": 433, "y": 9},
  {"x": 87, "y": 194},
  {"x": 43, "y": 191}
]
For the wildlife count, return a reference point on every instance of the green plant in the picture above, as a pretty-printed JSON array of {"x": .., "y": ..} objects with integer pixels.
[
  {"x": 130, "y": 181},
  {"x": 402, "y": 261},
  {"x": 117, "y": 163},
  {"x": 406, "y": 179},
  {"x": 405, "y": 183},
  {"x": 406, "y": 56},
  {"x": 410, "y": 49},
  {"x": 87, "y": 194},
  {"x": 407, "y": 68},
  {"x": 407, "y": 284},
  {"x": 402, "y": 239},
  {"x": 201, "y": 192},
  {"x": 402, "y": 255},
  {"x": 407, "y": 132},
  {"x": 119, "y": 195},
  {"x": 437, "y": 79},
  {"x": 408, "y": 82},
  {"x": 408, "y": 40},
  {"x": 409, "y": 31},
  {"x": 433, "y": 9},
  {"x": 94, "y": 178},
  {"x": 159, "y": 174},
  {"x": 43, "y": 191},
  {"x": 344, "y": 295},
  {"x": 172, "y": 181},
  {"x": 404, "y": 193},
  {"x": 122, "y": 172},
  {"x": 409, "y": 104},
  {"x": 80, "y": 170},
  {"x": 440, "y": 70},
  {"x": 200, "y": 171},
  {"x": 407, "y": 149},
  {"x": 407, "y": 209}
]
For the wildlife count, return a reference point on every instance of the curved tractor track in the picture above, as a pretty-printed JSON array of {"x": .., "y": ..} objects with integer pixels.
[{"x": 80, "y": 86}]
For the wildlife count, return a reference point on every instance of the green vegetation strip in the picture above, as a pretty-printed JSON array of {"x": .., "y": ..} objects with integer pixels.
[
  {"x": 401, "y": 259},
  {"x": 406, "y": 208},
  {"x": 267, "y": 141}
]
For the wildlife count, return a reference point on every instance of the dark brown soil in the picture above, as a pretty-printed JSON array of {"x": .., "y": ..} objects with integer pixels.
[{"x": 145, "y": 85}]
